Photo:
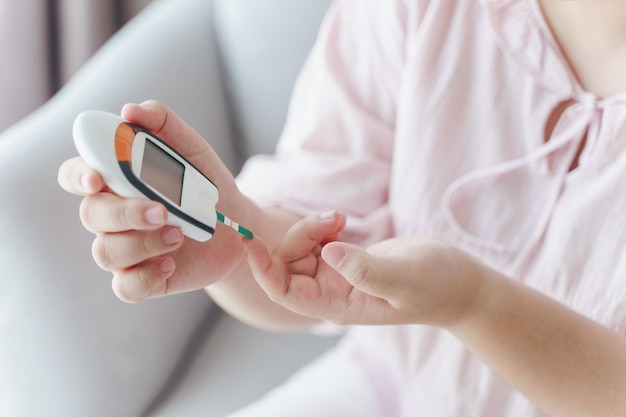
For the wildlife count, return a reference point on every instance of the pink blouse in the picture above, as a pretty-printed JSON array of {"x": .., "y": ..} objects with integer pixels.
[{"x": 418, "y": 117}]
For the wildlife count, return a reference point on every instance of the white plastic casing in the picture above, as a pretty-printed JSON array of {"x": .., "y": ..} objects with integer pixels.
[{"x": 96, "y": 134}]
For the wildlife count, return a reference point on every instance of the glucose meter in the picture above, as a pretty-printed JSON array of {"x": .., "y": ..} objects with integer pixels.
[{"x": 137, "y": 164}]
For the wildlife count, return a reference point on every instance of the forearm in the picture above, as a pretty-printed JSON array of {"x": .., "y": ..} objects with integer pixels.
[
  {"x": 241, "y": 296},
  {"x": 565, "y": 363}
]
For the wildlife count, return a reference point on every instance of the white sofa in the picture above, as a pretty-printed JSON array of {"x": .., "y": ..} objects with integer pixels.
[{"x": 68, "y": 347}]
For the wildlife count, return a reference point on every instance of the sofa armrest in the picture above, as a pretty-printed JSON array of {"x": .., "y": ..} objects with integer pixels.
[{"x": 69, "y": 347}]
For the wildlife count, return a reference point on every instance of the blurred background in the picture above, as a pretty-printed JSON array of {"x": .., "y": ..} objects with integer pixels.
[{"x": 44, "y": 42}]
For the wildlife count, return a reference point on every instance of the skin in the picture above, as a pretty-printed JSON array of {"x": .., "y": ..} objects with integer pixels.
[
  {"x": 592, "y": 37},
  {"x": 295, "y": 272}
]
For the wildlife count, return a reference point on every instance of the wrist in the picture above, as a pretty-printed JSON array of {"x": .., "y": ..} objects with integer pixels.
[{"x": 475, "y": 294}]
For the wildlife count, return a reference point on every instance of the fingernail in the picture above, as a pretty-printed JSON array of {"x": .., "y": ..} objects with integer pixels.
[
  {"x": 84, "y": 182},
  {"x": 154, "y": 216},
  {"x": 334, "y": 255},
  {"x": 171, "y": 237},
  {"x": 328, "y": 215}
]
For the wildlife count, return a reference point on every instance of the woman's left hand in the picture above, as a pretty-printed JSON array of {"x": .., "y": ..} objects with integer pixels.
[{"x": 398, "y": 281}]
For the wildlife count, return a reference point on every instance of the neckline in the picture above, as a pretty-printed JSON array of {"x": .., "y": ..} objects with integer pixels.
[
  {"x": 543, "y": 62},
  {"x": 581, "y": 92}
]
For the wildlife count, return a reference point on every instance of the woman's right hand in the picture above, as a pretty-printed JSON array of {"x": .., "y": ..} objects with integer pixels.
[{"x": 147, "y": 257}]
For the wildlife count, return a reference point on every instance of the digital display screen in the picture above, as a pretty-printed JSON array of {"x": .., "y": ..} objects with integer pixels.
[{"x": 162, "y": 172}]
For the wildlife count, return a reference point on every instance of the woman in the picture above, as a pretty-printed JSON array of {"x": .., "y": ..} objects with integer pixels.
[{"x": 470, "y": 154}]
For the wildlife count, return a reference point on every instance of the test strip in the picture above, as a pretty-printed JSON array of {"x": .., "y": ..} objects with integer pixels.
[{"x": 235, "y": 226}]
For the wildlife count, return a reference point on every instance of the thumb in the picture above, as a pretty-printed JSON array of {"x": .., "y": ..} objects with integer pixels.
[
  {"x": 356, "y": 265},
  {"x": 159, "y": 119}
]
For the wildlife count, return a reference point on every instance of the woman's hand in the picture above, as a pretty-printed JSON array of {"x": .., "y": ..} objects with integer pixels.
[
  {"x": 398, "y": 281},
  {"x": 147, "y": 257}
]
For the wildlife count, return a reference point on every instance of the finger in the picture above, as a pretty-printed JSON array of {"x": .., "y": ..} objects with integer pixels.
[
  {"x": 163, "y": 122},
  {"x": 298, "y": 293},
  {"x": 262, "y": 264},
  {"x": 309, "y": 233},
  {"x": 358, "y": 267},
  {"x": 270, "y": 275},
  {"x": 144, "y": 280},
  {"x": 290, "y": 291},
  {"x": 122, "y": 250},
  {"x": 108, "y": 213},
  {"x": 76, "y": 177},
  {"x": 307, "y": 265}
]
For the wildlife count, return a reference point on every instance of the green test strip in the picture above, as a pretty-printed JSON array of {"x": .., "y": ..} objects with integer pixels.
[{"x": 237, "y": 227}]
